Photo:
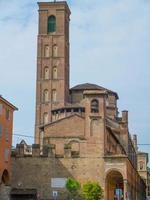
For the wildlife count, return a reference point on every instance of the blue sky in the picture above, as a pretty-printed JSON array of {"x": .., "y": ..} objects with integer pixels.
[{"x": 109, "y": 43}]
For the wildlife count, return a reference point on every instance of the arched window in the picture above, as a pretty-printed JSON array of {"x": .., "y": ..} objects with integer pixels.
[
  {"x": 141, "y": 165},
  {"x": 46, "y": 73},
  {"x": 94, "y": 106},
  {"x": 55, "y": 50},
  {"x": 5, "y": 177},
  {"x": 46, "y": 51},
  {"x": 46, "y": 96},
  {"x": 54, "y": 95},
  {"x": 51, "y": 24},
  {"x": 45, "y": 118},
  {"x": 54, "y": 72}
]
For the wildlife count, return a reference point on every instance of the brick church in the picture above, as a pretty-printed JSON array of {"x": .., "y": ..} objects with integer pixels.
[{"x": 78, "y": 131}]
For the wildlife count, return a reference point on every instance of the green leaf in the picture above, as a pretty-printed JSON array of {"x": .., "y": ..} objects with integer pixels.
[{"x": 92, "y": 191}]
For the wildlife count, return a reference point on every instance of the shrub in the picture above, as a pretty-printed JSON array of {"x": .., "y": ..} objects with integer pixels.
[
  {"x": 92, "y": 191},
  {"x": 73, "y": 188}
]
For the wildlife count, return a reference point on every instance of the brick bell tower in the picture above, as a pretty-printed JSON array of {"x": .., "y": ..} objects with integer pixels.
[{"x": 52, "y": 84}]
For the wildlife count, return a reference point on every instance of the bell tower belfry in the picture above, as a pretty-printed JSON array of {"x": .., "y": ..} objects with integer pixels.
[{"x": 52, "y": 84}]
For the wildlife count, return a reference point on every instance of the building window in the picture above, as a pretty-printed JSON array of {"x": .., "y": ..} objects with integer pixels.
[
  {"x": 46, "y": 96},
  {"x": 54, "y": 72},
  {"x": 107, "y": 102},
  {"x": 46, "y": 51},
  {"x": 1, "y": 109},
  {"x": 7, "y": 114},
  {"x": 6, "y": 155},
  {"x": 54, "y": 95},
  {"x": 51, "y": 24},
  {"x": 94, "y": 106},
  {"x": 141, "y": 165},
  {"x": 45, "y": 118},
  {"x": 46, "y": 73},
  {"x": 1, "y": 129},
  {"x": 75, "y": 149},
  {"x": 55, "y": 50},
  {"x": 7, "y": 135}
]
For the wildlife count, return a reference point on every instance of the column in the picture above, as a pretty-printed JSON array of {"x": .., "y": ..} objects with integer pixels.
[{"x": 125, "y": 184}]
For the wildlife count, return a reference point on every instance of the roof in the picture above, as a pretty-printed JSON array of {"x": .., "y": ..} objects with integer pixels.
[
  {"x": 117, "y": 139},
  {"x": 141, "y": 152},
  {"x": 90, "y": 86},
  {"x": 8, "y": 103}
]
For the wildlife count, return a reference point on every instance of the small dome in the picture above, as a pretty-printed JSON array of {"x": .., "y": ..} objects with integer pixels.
[{"x": 90, "y": 86}]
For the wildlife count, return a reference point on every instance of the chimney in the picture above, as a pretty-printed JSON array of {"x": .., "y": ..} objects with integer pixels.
[
  {"x": 135, "y": 142},
  {"x": 125, "y": 116}
]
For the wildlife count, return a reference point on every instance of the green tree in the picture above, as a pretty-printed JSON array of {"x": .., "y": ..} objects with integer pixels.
[
  {"x": 92, "y": 191},
  {"x": 73, "y": 188}
]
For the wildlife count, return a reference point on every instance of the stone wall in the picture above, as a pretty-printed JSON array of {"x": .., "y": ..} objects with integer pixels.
[
  {"x": 4, "y": 192},
  {"x": 37, "y": 173},
  {"x": 39, "y": 170}
]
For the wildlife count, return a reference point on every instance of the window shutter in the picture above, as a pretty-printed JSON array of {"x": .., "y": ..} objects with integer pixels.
[{"x": 51, "y": 24}]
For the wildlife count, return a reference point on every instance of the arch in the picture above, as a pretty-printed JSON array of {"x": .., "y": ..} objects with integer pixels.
[
  {"x": 45, "y": 118},
  {"x": 54, "y": 95},
  {"x": 5, "y": 177},
  {"x": 94, "y": 106},
  {"x": 46, "y": 95},
  {"x": 51, "y": 27},
  {"x": 54, "y": 73},
  {"x": 55, "y": 50},
  {"x": 73, "y": 140},
  {"x": 114, "y": 185},
  {"x": 113, "y": 169},
  {"x": 46, "y": 51},
  {"x": 46, "y": 73}
]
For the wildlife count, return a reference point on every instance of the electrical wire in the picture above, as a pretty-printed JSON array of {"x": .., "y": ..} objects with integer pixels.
[{"x": 29, "y": 136}]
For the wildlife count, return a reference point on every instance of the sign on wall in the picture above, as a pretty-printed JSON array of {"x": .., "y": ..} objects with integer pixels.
[
  {"x": 58, "y": 182},
  {"x": 55, "y": 194}
]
